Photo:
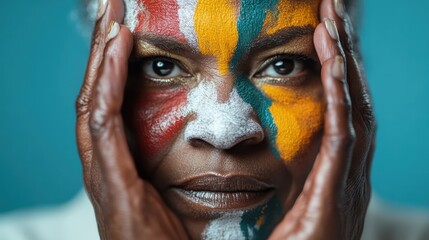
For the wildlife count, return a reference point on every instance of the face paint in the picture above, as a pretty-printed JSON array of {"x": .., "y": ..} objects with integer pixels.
[
  {"x": 186, "y": 18},
  {"x": 158, "y": 118},
  {"x": 225, "y": 227},
  {"x": 218, "y": 31},
  {"x": 304, "y": 13},
  {"x": 257, "y": 223},
  {"x": 222, "y": 125},
  {"x": 298, "y": 117},
  {"x": 132, "y": 10},
  {"x": 216, "y": 28},
  {"x": 250, "y": 23},
  {"x": 159, "y": 17},
  {"x": 225, "y": 30}
]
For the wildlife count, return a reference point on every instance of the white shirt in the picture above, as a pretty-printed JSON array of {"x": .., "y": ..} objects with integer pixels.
[{"x": 76, "y": 221}]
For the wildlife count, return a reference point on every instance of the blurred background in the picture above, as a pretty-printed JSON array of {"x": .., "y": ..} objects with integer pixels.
[{"x": 43, "y": 54}]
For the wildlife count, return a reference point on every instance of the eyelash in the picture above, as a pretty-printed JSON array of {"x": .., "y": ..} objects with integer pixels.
[
  {"x": 146, "y": 63},
  {"x": 307, "y": 63}
]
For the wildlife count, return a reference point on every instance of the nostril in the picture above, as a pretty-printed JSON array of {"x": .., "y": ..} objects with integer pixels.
[
  {"x": 251, "y": 141},
  {"x": 223, "y": 138},
  {"x": 197, "y": 142},
  {"x": 222, "y": 125},
  {"x": 250, "y": 138}
]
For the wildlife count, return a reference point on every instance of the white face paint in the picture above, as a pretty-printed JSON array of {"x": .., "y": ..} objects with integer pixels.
[
  {"x": 186, "y": 18},
  {"x": 132, "y": 9},
  {"x": 223, "y": 125},
  {"x": 225, "y": 227}
]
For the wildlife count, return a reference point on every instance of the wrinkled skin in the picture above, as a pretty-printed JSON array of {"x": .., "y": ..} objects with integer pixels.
[{"x": 335, "y": 196}]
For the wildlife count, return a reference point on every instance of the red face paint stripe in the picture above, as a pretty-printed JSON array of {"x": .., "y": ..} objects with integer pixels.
[
  {"x": 158, "y": 117},
  {"x": 160, "y": 17}
]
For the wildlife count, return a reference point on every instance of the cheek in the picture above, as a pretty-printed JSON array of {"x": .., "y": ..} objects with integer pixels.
[
  {"x": 298, "y": 118},
  {"x": 157, "y": 118}
]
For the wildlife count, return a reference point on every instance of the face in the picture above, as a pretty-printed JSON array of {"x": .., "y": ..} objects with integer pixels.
[{"x": 224, "y": 108}]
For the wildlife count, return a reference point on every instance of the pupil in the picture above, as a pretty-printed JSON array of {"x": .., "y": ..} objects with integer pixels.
[
  {"x": 162, "y": 68},
  {"x": 284, "y": 67}
]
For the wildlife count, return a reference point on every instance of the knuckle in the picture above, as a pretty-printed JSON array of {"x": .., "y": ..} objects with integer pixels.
[
  {"x": 346, "y": 103},
  {"x": 367, "y": 113},
  {"x": 82, "y": 104},
  {"x": 344, "y": 140},
  {"x": 86, "y": 157},
  {"x": 98, "y": 122},
  {"x": 97, "y": 40},
  {"x": 342, "y": 102}
]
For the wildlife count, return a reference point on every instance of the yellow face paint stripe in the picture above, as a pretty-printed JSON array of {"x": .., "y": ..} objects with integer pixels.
[
  {"x": 298, "y": 118},
  {"x": 216, "y": 29},
  {"x": 304, "y": 13}
]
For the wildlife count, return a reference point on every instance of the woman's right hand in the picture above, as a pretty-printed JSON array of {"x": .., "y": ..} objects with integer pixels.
[
  {"x": 126, "y": 207},
  {"x": 333, "y": 202}
]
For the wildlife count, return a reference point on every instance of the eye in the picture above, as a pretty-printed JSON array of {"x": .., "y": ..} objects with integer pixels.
[
  {"x": 282, "y": 67},
  {"x": 162, "y": 68}
]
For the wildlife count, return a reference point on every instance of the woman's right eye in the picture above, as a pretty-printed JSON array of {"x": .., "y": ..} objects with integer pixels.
[{"x": 161, "y": 68}]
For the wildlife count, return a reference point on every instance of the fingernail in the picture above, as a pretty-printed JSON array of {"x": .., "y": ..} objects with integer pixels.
[
  {"x": 340, "y": 8},
  {"x": 101, "y": 8},
  {"x": 338, "y": 68},
  {"x": 331, "y": 26},
  {"x": 113, "y": 30}
]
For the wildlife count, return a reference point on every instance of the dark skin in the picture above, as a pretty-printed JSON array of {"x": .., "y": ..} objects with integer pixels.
[{"x": 335, "y": 195}]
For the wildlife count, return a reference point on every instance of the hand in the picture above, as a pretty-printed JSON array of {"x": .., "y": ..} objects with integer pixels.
[
  {"x": 336, "y": 193},
  {"x": 126, "y": 207}
]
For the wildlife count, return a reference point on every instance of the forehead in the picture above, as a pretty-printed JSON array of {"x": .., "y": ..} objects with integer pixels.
[
  {"x": 224, "y": 29},
  {"x": 180, "y": 18}
]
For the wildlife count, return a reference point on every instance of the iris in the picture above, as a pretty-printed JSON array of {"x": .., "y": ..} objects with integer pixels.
[{"x": 163, "y": 68}]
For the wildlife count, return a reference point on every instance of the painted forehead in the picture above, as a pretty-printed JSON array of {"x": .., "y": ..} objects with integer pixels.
[
  {"x": 181, "y": 18},
  {"x": 220, "y": 28}
]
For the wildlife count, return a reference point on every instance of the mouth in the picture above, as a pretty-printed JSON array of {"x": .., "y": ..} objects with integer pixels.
[{"x": 222, "y": 193}]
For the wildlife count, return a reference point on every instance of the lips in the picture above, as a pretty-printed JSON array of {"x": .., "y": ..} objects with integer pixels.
[{"x": 222, "y": 192}]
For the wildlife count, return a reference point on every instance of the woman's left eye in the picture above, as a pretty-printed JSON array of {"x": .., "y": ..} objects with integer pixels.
[
  {"x": 283, "y": 67},
  {"x": 162, "y": 68}
]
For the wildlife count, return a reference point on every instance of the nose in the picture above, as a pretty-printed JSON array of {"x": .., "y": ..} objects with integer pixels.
[{"x": 222, "y": 125}]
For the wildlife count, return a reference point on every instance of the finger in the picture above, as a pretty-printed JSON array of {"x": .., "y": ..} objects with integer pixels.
[
  {"x": 331, "y": 166},
  {"x": 108, "y": 10},
  {"x": 327, "y": 177},
  {"x": 359, "y": 93},
  {"x": 326, "y": 40},
  {"x": 363, "y": 115},
  {"x": 335, "y": 10},
  {"x": 330, "y": 170},
  {"x": 107, "y": 130}
]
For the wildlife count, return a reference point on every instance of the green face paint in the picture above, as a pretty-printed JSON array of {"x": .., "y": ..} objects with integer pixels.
[
  {"x": 250, "y": 23},
  {"x": 258, "y": 223}
]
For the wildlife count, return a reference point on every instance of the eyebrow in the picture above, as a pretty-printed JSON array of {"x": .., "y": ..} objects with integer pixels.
[
  {"x": 165, "y": 43},
  {"x": 173, "y": 45},
  {"x": 280, "y": 38}
]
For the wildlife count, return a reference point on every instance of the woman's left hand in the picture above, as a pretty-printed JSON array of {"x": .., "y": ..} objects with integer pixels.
[
  {"x": 126, "y": 206},
  {"x": 335, "y": 196}
]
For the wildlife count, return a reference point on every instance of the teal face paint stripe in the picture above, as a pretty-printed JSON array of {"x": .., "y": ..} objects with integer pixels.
[
  {"x": 249, "y": 25},
  {"x": 250, "y": 22},
  {"x": 261, "y": 104},
  {"x": 271, "y": 213}
]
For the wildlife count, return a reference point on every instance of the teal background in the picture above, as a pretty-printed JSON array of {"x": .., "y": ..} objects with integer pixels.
[{"x": 42, "y": 60}]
